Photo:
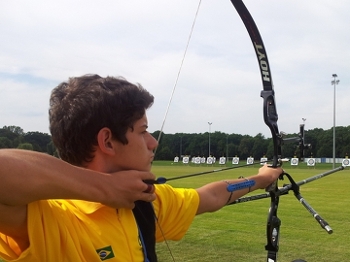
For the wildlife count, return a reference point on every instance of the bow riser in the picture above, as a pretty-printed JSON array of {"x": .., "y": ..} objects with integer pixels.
[{"x": 270, "y": 119}]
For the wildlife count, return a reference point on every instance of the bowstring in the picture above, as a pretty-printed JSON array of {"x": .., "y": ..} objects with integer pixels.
[
  {"x": 167, "y": 111},
  {"x": 178, "y": 74}
]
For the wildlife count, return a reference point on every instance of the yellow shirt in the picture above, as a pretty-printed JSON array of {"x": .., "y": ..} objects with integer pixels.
[{"x": 78, "y": 231}]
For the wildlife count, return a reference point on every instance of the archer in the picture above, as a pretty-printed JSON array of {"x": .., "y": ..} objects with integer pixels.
[{"x": 94, "y": 204}]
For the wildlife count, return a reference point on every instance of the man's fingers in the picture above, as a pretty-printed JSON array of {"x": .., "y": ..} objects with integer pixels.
[
  {"x": 150, "y": 189},
  {"x": 147, "y": 176},
  {"x": 148, "y": 197}
]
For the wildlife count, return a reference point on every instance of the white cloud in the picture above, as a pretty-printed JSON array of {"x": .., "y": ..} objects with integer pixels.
[{"x": 45, "y": 42}]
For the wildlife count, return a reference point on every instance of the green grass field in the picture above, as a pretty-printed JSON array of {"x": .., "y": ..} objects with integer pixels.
[{"x": 237, "y": 232}]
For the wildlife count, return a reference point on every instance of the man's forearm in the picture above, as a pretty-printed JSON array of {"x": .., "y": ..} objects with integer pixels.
[{"x": 27, "y": 176}]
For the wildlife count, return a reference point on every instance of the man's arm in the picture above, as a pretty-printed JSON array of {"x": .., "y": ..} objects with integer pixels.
[
  {"x": 214, "y": 196},
  {"x": 28, "y": 176}
]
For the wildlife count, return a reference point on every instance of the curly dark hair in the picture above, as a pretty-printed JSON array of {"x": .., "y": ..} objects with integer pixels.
[{"x": 84, "y": 105}]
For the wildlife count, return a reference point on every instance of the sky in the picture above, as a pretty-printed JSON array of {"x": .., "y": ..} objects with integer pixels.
[{"x": 44, "y": 42}]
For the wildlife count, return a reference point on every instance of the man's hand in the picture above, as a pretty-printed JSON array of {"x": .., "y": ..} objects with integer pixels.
[
  {"x": 126, "y": 187},
  {"x": 268, "y": 175}
]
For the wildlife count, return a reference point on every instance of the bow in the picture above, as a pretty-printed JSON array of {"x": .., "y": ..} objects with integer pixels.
[{"x": 270, "y": 119}]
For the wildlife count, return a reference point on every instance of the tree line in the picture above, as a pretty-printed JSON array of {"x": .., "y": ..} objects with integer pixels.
[
  {"x": 15, "y": 137},
  {"x": 221, "y": 144},
  {"x": 243, "y": 146}
]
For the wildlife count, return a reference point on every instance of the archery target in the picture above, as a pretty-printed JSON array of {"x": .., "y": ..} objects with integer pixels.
[
  {"x": 294, "y": 161},
  {"x": 263, "y": 160},
  {"x": 197, "y": 160},
  {"x": 235, "y": 161},
  {"x": 185, "y": 160},
  {"x": 222, "y": 160},
  {"x": 210, "y": 160},
  {"x": 346, "y": 162},
  {"x": 176, "y": 159},
  {"x": 203, "y": 160},
  {"x": 311, "y": 162},
  {"x": 250, "y": 161}
]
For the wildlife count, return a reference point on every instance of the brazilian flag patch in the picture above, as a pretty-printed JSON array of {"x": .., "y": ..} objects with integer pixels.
[{"x": 105, "y": 253}]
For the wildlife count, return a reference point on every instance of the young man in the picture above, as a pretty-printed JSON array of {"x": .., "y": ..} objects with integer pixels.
[{"x": 94, "y": 205}]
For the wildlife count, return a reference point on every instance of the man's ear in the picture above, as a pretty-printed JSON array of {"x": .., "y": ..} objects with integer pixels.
[{"x": 105, "y": 141}]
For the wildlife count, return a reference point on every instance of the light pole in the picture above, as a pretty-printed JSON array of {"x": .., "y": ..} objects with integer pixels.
[
  {"x": 334, "y": 83},
  {"x": 226, "y": 148},
  {"x": 304, "y": 119},
  {"x": 180, "y": 146},
  {"x": 209, "y": 123}
]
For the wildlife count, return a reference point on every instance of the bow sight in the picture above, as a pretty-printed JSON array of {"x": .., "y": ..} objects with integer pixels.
[{"x": 300, "y": 139}]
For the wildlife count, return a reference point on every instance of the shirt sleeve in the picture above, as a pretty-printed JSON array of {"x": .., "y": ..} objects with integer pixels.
[{"x": 175, "y": 209}]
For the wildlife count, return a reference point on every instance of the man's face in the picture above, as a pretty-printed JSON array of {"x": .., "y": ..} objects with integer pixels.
[{"x": 138, "y": 153}]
